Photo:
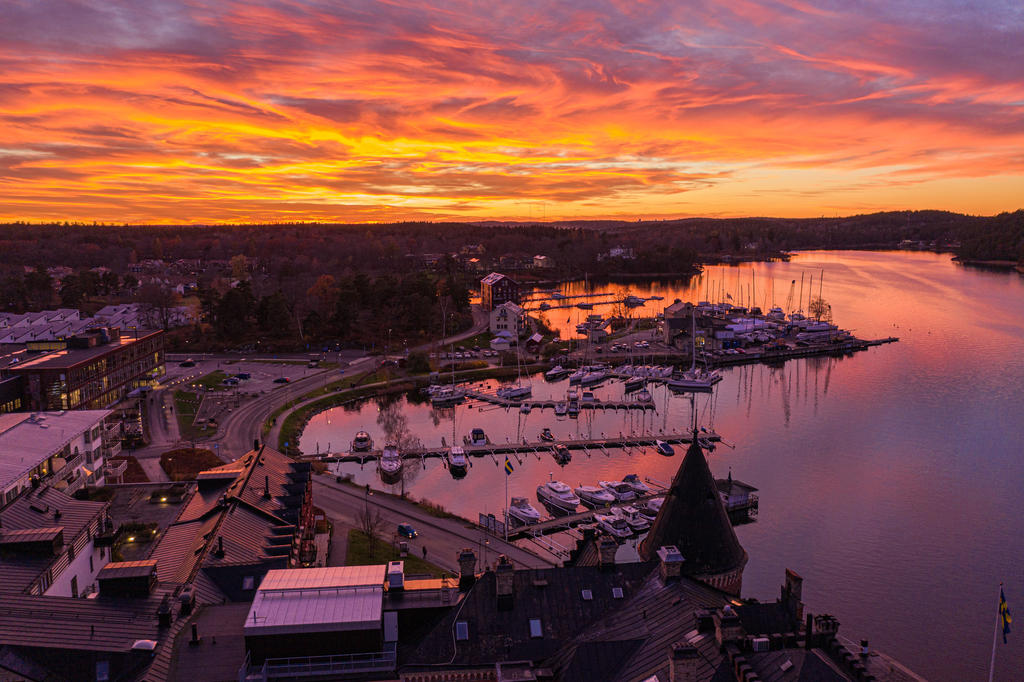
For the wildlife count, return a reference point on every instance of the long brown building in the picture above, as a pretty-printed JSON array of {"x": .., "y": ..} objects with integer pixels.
[{"x": 93, "y": 372}]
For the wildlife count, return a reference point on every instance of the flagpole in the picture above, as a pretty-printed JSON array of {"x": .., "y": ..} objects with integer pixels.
[
  {"x": 506, "y": 502},
  {"x": 995, "y": 636}
]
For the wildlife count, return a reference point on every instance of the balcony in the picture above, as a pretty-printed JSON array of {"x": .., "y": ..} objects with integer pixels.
[
  {"x": 324, "y": 667},
  {"x": 114, "y": 471}
]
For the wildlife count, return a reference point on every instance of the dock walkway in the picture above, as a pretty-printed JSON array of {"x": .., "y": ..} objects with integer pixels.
[
  {"x": 494, "y": 399},
  {"x": 589, "y": 446}
]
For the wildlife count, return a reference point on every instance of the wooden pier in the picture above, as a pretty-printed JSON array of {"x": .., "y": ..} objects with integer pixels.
[
  {"x": 550, "y": 403},
  {"x": 783, "y": 354},
  {"x": 588, "y": 446}
]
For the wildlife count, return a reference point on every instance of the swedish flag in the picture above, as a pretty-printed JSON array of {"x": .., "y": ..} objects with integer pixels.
[
  {"x": 508, "y": 467},
  {"x": 1004, "y": 613}
]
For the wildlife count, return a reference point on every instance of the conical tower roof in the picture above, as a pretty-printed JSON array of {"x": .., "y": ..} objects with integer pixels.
[{"x": 693, "y": 518}]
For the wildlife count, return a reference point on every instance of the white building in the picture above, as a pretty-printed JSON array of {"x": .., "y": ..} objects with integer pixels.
[
  {"x": 65, "y": 450},
  {"x": 508, "y": 317}
]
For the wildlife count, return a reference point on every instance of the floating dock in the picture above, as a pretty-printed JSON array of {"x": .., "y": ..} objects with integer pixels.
[
  {"x": 493, "y": 399},
  {"x": 588, "y": 446}
]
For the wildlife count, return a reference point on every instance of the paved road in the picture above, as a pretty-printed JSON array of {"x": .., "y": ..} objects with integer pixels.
[{"x": 444, "y": 538}]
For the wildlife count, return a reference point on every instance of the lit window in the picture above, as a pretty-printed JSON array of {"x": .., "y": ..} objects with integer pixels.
[
  {"x": 587, "y": 595},
  {"x": 535, "y": 628},
  {"x": 248, "y": 582},
  {"x": 461, "y": 631},
  {"x": 617, "y": 592}
]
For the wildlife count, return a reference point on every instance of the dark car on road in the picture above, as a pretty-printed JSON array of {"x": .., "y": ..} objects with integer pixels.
[
  {"x": 281, "y": 380},
  {"x": 187, "y": 363},
  {"x": 407, "y": 531}
]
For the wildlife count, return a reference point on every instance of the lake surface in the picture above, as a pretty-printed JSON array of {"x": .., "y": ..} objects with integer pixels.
[{"x": 892, "y": 480}]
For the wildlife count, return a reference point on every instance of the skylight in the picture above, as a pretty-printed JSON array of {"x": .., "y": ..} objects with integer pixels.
[
  {"x": 587, "y": 595},
  {"x": 617, "y": 592},
  {"x": 461, "y": 631},
  {"x": 535, "y": 628}
]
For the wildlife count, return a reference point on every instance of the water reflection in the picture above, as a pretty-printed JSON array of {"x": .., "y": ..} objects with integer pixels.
[{"x": 890, "y": 479}]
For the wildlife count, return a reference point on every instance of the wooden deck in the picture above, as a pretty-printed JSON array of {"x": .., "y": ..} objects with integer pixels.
[{"x": 493, "y": 399}]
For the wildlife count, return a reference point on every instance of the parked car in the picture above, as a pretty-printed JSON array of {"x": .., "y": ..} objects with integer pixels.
[
  {"x": 281, "y": 380},
  {"x": 407, "y": 531},
  {"x": 243, "y": 375},
  {"x": 187, "y": 363}
]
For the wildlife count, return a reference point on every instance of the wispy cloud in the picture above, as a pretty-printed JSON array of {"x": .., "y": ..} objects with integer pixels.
[{"x": 223, "y": 111}]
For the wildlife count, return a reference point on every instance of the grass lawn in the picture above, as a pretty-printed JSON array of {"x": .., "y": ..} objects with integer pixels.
[
  {"x": 358, "y": 554},
  {"x": 212, "y": 381},
  {"x": 186, "y": 463},
  {"x": 185, "y": 406}
]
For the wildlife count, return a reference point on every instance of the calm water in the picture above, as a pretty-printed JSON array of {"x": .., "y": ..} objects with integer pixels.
[{"x": 891, "y": 480}]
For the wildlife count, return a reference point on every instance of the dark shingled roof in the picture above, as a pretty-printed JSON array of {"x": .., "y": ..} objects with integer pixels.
[
  {"x": 760, "y": 619},
  {"x": 693, "y": 518},
  {"x": 808, "y": 666},
  {"x": 552, "y": 595}
]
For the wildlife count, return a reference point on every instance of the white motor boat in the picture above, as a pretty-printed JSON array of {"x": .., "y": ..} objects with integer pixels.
[
  {"x": 561, "y": 408},
  {"x": 477, "y": 437},
  {"x": 514, "y": 392},
  {"x": 576, "y": 377},
  {"x": 643, "y": 396},
  {"x": 390, "y": 463},
  {"x": 613, "y": 525},
  {"x": 558, "y": 495},
  {"x": 694, "y": 379},
  {"x": 362, "y": 442},
  {"x": 664, "y": 448},
  {"x": 447, "y": 396},
  {"x": 595, "y": 377},
  {"x": 632, "y": 517},
  {"x": 521, "y": 510},
  {"x": 650, "y": 509},
  {"x": 457, "y": 461},
  {"x": 623, "y": 492},
  {"x": 638, "y": 486},
  {"x": 594, "y": 496},
  {"x": 562, "y": 454},
  {"x": 555, "y": 373}
]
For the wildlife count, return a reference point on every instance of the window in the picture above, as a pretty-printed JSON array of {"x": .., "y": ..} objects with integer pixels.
[
  {"x": 587, "y": 595},
  {"x": 249, "y": 582},
  {"x": 91, "y": 569},
  {"x": 617, "y": 593},
  {"x": 461, "y": 631},
  {"x": 74, "y": 586},
  {"x": 535, "y": 628},
  {"x": 102, "y": 671}
]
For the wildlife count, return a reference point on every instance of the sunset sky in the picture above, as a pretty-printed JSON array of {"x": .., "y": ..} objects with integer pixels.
[{"x": 195, "y": 111}]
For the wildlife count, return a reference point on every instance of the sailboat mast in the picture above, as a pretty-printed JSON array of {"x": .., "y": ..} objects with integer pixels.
[{"x": 800, "y": 299}]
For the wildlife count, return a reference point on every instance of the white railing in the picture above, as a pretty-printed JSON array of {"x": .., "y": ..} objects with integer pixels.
[{"x": 319, "y": 666}]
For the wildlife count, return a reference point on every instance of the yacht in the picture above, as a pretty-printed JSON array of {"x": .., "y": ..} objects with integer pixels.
[
  {"x": 621, "y": 491},
  {"x": 362, "y": 442},
  {"x": 521, "y": 510},
  {"x": 588, "y": 397},
  {"x": 694, "y": 379},
  {"x": 562, "y": 454},
  {"x": 574, "y": 408},
  {"x": 446, "y": 396},
  {"x": 664, "y": 448},
  {"x": 633, "y": 384},
  {"x": 555, "y": 373},
  {"x": 525, "y": 408},
  {"x": 576, "y": 377},
  {"x": 594, "y": 496},
  {"x": 643, "y": 396},
  {"x": 546, "y": 435},
  {"x": 593, "y": 377},
  {"x": 650, "y": 509},
  {"x": 390, "y": 463},
  {"x": 514, "y": 392},
  {"x": 457, "y": 461},
  {"x": 585, "y": 306},
  {"x": 613, "y": 525},
  {"x": 558, "y": 495},
  {"x": 477, "y": 437},
  {"x": 638, "y": 486},
  {"x": 561, "y": 408},
  {"x": 631, "y": 515}
]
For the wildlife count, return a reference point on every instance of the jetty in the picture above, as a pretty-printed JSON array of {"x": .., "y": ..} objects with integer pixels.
[
  {"x": 586, "y": 446},
  {"x": 549, "y": 403}
]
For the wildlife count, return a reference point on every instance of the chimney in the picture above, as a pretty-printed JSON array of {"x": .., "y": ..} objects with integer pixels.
[
  {"x": 792, "y": 595},
  {"x": 467, "y": 568},
  {"x": 606, "y": 549},
  {"x": 727, "y": 626},
  {"x": 266, "y": 487},
  {"x": 220, "y": 546},
  {"x": 682, "y": 663},
  {"x": 670, "y": 563},
  {"x": 504, "y": 576},
  {"x": 256, "y": 444}
]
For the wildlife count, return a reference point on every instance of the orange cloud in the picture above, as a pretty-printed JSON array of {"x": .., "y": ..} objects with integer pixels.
[{"x": 224, "y": 112}]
